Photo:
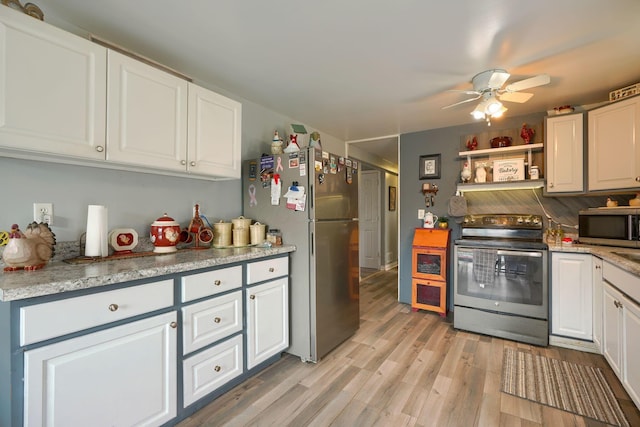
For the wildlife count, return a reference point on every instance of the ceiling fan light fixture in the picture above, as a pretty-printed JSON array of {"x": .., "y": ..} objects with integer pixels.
[
  {"x": 493, "y": 107},
  {"x": 478, "y": 113},
  {"x": 500, "y": 112}
]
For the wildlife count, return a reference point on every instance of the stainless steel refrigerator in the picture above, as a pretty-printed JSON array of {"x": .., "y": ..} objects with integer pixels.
[{"x": 323, "y": 225}]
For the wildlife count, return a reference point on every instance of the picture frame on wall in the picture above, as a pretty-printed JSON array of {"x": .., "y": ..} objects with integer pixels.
[
  {"x": 392, "y": 198},
  {"x": 429, "y": 166}
]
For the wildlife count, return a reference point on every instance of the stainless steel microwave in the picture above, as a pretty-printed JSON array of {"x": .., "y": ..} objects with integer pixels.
[{"x": 618, "y": 226}]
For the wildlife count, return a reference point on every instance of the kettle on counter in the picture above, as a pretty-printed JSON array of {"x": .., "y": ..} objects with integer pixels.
[{"x": 430, "y": 220}]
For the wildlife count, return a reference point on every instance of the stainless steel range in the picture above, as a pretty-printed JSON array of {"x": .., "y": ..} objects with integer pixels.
[{"x": 500, "y": 277}]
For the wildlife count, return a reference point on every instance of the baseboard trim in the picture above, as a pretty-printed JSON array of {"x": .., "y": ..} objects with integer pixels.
[{"x": 574, "y": 344}]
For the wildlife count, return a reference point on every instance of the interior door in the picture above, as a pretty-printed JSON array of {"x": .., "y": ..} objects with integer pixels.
[{"x": 369, "y": 214}]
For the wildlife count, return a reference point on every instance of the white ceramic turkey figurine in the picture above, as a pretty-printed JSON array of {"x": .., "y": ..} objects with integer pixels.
[
  {"x": 465, "y": 175},
  {"x": 30, "y": 250}
]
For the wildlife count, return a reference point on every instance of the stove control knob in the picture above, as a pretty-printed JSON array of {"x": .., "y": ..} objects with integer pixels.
[
  {"x": 535, "y": 220},
  {"x": 519, "y": 220}
]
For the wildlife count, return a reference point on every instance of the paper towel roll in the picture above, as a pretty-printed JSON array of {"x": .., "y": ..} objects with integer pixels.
[{"x": 96, "y": 238}]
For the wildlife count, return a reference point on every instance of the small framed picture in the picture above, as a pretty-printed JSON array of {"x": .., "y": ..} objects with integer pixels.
[
  {"x": 429, "y": 167},
  {"x": 392, "y": 198}
]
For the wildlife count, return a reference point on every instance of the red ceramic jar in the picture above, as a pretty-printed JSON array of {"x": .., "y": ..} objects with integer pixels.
[{"x": 165, "y": 233}]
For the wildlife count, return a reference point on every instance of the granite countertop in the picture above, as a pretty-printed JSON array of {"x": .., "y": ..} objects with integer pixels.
[
  {"x": 59, "y": 276},
  {"x": 604, "y": 252}
]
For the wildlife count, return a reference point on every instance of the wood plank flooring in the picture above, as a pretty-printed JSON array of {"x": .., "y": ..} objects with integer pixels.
[{"x": 401, "y": 368}]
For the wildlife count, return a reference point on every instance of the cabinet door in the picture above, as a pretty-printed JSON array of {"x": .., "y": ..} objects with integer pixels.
[
  {"x": 52, "y": 89},
  {"x": 614, "y": 146},
  {"x": 597, "y": 302},
  {"x": 215, "y": 134},
  {"x": 121, "y": 376},
  {"x": 571, "y": 295},
  {"x": 267, "y": 320},
  {"x": 147, "y": 115},
  {"x": 631, "y": 349},
  {"x": 612, "y": 328},
  {"x": 564, "y": 154}
]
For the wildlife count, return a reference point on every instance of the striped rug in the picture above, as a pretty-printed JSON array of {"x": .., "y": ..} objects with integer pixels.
[{"x": 579, "y": 389}]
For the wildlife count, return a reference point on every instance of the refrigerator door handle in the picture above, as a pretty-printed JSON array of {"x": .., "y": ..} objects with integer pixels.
[{"x": 311, "y": 241}]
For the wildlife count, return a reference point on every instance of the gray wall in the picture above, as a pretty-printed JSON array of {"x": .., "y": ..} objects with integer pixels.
[
  {"x": 390, "y": 248},
  {"x": 448, "y": 142}
]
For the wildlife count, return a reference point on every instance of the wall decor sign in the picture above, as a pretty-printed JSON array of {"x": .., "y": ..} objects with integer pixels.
[
  {"x": 392, "y": 198},
  {"x": 429, "y": 167}
]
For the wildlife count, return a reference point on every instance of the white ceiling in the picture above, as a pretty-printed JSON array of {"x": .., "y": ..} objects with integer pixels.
[{"x": 361, "y": 69}]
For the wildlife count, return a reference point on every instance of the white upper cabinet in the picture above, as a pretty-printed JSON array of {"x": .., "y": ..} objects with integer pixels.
[
  {"x": 614, "y": 146},
  {"x": 147, "y": 115},
  {"x": 52, "y": 90},
  {"x": 564, "y": 154},
  {"x": 215, "y": 133}
]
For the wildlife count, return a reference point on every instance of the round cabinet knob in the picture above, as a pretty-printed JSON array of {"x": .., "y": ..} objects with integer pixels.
[
  {"x": 174, "y": 325},
  {"x": 497, "y": 304},
  {"x": 217, "y": 282},
  {"x": 99, "y": 148},
  {"x": 113, "y": 307},
  {"x": 192, "y": 163},
  {"x": 183, "y": 162},
  {"x": 638, "y": 178},
  {"x": 551, "y": 185},
  {"x": 598, "y": 267},
  {"x": 217, "y": 368},
  {"x": 271, "y": 269},
  {"x": 217, "y": 320},
  {"x": 252, "y": 297}
]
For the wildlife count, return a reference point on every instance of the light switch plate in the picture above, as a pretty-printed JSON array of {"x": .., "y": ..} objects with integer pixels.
[{"x": 420, "y": 213}]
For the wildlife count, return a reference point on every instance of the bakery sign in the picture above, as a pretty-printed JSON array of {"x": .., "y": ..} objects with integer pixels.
[{"x": 508, "y": 170}]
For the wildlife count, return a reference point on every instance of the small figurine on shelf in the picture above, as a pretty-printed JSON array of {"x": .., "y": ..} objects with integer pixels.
[
  {"x": 481, "y": 173},
  {"x": 465, "y": 175},
  {"x": 526, "y": 133},
  {"x": 472, "y": 144}
]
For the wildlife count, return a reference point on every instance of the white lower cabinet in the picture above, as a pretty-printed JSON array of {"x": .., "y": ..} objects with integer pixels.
[
  {"x": 267, "y": 320},
  {"x": 621, "y": 327},
  {"x": 597, "y": 303},
  {"x": 572, "y": 295},
  {"x": 209, "y": 370},
  {"x": 122, "y": 376}
]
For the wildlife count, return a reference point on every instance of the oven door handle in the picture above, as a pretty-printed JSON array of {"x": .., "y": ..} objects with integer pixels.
[{"x": 533, "y": 254}]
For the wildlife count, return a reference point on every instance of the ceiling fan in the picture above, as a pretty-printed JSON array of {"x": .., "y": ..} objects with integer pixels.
[{"x": 487, "y": 86}]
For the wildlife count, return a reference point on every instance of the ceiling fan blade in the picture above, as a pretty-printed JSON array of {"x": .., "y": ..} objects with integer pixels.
[
  {"x": 462, "y": 102},
  {"x": 468, "y": 92},
  {"x": 519, "y": 97},
  {"x": 497, "y": 79},
  {"x": 538, "y": 80}
]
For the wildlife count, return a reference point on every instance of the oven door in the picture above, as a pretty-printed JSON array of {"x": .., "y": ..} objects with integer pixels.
[{"x": 511, "y": 281}]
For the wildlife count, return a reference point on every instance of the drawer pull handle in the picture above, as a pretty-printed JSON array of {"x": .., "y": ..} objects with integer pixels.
[
  {"x": 217, "y": 368},
  {"x": 217, "y": 282},
  {"x": 99, "y": 148},
  {"x": 271, "y": 269},
  {"x": 252, "y": 297},
  {"x": 113, "y": 307},
  {"x": 174, "y": 325},
  {"x": 217, "y": 320}
]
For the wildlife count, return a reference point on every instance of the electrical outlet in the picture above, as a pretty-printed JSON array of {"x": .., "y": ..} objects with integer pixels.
[
  {"x": 43, "y": 212},
  {"x": 420, "y": 213}
]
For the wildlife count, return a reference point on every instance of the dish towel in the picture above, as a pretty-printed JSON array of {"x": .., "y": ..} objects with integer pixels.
[
  {"x": 457, "y": 208},
  {"x": 484, "y": 266}
]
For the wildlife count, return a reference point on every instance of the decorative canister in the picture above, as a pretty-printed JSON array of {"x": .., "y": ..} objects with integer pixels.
[
  {"x": 165, "y": 232},
  {"x": 241, "y": 222},
  {"x": 274, "y": 236},
  {"x": 258, "y": 233},
  {"x": 534, "y": 172},
  {"x": 240, "y": 236},
  {"x": 222, "y": 233}
]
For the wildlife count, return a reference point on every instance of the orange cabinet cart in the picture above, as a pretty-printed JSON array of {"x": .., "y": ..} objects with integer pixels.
[{"x": 429, "y": 270}]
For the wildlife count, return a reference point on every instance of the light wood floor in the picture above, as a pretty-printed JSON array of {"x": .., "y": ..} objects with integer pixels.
[{"x": 401, "y": 368}]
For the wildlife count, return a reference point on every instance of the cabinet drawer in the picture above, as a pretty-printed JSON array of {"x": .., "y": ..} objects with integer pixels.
[
  {"x": 209, "y": 321},
  {"x": 623, "y": 280},
  {"x": 210, "y": 283},
  {"x": 209, "y": 370},
  {"x": 265, "y": 270},
  {"x": 52, "y": 319}
]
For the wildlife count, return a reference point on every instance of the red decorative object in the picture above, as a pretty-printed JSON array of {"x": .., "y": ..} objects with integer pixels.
[
  {"x": 165, "y": 232},
  {"x": 472, "y": 144},
  {"x": 526, "y": 133},
  {"x": 501, "y": 141}
]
